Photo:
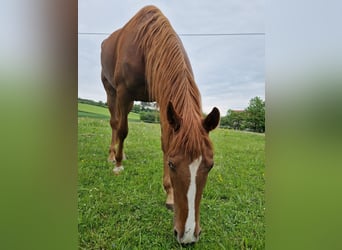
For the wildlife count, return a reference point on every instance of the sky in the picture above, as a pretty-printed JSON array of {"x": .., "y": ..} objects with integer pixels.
[{"x": 229, "y": 69}]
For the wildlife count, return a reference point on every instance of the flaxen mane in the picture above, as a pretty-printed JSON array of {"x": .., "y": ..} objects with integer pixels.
[{"x": 169, "y": 77}]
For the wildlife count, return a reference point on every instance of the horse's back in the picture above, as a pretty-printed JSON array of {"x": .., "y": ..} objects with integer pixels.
[{"x": 121, "y": 46}]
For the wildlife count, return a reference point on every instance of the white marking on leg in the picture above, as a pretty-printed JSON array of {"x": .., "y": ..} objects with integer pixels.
[
  {"x": 190, "y": 223},
  {"x": 117, "y": 170}
]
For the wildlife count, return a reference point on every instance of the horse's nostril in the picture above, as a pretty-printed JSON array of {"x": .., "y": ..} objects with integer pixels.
[{"x": 175, "y": 233}]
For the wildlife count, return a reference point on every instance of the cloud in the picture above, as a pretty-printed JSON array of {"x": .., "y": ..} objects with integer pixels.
[{"x": 228, "y": 69}]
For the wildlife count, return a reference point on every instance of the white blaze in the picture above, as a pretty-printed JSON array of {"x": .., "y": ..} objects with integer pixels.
[{"x": 190, "y": 223}]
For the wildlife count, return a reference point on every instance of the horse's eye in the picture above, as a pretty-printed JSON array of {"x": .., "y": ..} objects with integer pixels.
[{"x": 172, "y": 166}]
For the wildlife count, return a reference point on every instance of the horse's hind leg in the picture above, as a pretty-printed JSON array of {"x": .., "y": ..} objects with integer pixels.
[
  {"x": 111, "y": 102},
  {"x": 114, "y": 125},
  {"x": 124, "y": 107}
]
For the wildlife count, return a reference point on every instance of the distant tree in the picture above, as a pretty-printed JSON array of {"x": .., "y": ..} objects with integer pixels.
[
  {"x": 102, "y": 104},
  {"x": 256, "y": 115},
  {"x": 236, "y": 119},
  {"x": 224, "y": 122},
  {"x": 91, "y": 102},
  {"x": 252, "y": 118},
  {"x": 147, "y": 117},
  {"x": 136, "y": 108}
]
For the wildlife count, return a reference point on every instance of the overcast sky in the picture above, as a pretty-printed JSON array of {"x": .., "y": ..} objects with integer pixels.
[{"x": 228, "y": 69}]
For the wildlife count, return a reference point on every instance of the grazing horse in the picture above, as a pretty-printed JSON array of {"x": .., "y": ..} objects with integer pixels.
[{"x": 146, "y": 61}]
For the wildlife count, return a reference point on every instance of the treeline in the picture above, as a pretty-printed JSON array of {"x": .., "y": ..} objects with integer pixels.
[
  {"x": 250, "y": 119},
  {"x": 148, "y": 111},
  {"x": 91, "y": 102}
]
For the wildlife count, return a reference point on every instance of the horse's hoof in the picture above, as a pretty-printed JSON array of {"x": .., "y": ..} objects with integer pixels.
[
  {"x": 169, "y": 206},
  {"x": 117, "y": 170}
]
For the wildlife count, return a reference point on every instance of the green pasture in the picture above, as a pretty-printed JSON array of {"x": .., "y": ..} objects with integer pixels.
[
  {"x": 128, "y": 212},
  {"x": 87, "y": 110}
]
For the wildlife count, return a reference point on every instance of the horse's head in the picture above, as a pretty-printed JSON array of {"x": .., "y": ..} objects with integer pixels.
[{"x": 188, "y": 173}]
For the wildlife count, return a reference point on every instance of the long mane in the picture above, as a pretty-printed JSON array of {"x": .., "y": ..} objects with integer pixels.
[{"x": 169, "y": 77}]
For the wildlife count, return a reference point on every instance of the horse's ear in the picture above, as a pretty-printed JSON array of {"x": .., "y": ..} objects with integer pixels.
[
  {"x": 173, "y": 118},
  {"x": 212, "y": 120}
]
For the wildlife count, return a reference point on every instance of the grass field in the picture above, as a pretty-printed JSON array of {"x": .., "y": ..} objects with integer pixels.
[
  {"x": 87, "y": 110},
  {"x": 128, "y": 212}
]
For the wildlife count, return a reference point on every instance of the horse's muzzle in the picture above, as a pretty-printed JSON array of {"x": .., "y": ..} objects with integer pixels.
[{"x": 186, "y": 239}]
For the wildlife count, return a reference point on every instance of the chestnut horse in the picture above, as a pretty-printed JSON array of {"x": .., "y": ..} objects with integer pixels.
[{"x": 146, "y": 61}]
